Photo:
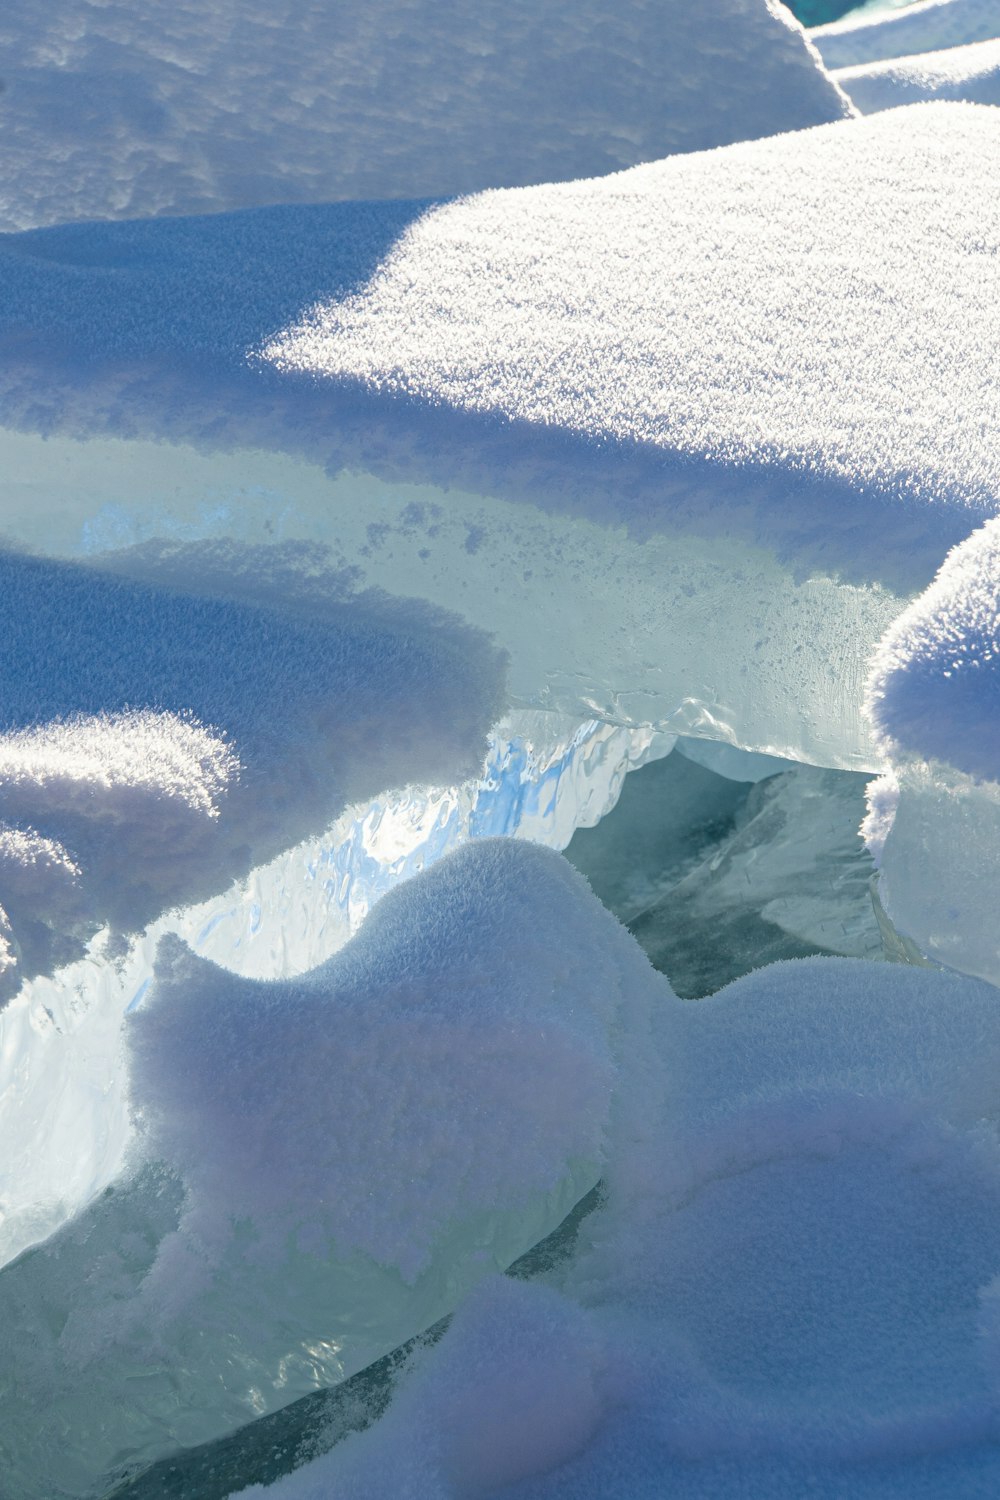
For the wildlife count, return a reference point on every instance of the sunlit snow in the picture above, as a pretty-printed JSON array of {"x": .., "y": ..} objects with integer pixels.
[{"x": 429, "y": 432}]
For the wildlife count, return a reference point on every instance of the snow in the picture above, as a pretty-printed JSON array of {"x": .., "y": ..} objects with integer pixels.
[
  {"x": 725, "y": 446},
  {"x": 325, "y": 1166},
  {"x": 287, "y": 486},
  {"x": 927, "y": 27},
  {"x": 789, "y": 1287},
  {"x": 129, "y": 108},
  {"x": 63, "y": 1081},
  {"x": 161, "y": 771},
  {"x": 806, "y": 307},
  {"x": 971, "y": 73},
  {"x": 935, "y": 686}
]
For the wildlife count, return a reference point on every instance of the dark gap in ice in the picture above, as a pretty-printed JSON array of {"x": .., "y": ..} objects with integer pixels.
[
  {"x": 717, "y": 877},
  {"x": 263, "y": 1451}
]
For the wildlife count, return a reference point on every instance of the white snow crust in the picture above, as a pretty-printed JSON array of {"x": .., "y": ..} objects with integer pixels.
[
  {"x": 119, "y": 108},
  {"x": 927, "y": 27},
  {"x": 971, "y": 73},
  {"x": 789, "y": 1289}
]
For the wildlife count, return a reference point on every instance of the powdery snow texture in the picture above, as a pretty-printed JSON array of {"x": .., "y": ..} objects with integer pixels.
[
  {"x": 124, "y": 108},
  {"x": 160, "y": 737}
]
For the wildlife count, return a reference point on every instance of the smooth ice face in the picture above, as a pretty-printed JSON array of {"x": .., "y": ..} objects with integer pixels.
[
  {"x": 345, "y": 1155},
  {"x": 131, "y": 109},
  {"x": 792, "y": 1278}
]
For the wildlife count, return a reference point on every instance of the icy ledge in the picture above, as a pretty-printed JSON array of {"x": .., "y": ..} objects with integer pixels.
[{"x": 63, "y": 1111}]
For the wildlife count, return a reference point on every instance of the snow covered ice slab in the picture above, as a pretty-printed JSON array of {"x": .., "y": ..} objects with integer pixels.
[
  {"x": 140, "y": 107},
  {"x": 927, "y": 27},
  {"x": 971, "y": 73},
  {"x": 694, "y": 495},
  {"x": 324, "y": 1166},
  {"x": 790, "y": 1288}
]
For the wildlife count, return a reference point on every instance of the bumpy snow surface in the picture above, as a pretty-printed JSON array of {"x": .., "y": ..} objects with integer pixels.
[
  {"x": 345, "y": 1155},
  {"x": 168, "y": 106},
  {"x": 144, "y": 770},
  {"x": 971, "y": 73}
]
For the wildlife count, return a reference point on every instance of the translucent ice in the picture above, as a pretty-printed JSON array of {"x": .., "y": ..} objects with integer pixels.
[{"x": 715, "y": 877}]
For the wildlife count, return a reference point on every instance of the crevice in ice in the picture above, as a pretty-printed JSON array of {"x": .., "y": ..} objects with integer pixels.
[{"x": 717, "y": 876}]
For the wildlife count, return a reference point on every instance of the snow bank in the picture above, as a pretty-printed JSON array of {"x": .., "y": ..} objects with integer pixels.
[
  {"x": 930, "y": 27},
  {"x": 161, "y": 737},
  {"x": 121, "y": 109},
  {"x": 789, "y": 1289},
  {"x": 971, "y": 73},
  {"x": 349, "y": 1153},
  {"x": 790, "y": 306}
]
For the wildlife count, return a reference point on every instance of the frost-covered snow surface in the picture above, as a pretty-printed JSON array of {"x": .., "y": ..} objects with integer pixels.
[
  {"x": 355, "y": 541},
  {"x": 971, "y": 73},
  {"x": 117, "y": 108}
]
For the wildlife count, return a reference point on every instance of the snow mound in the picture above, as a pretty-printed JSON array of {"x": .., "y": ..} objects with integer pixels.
[
  {"x": 971, "y": 73},
  {"x": 930, "y": 27},
  {"x": 934, "y": 691},
  {"x": 163, "y": 733},
  {"x": 117, "y": 109},
  {"x": 790, "y": 304},
  {"x": 789, "y": 1288},
  {"x": 325, "y": 1166}
]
